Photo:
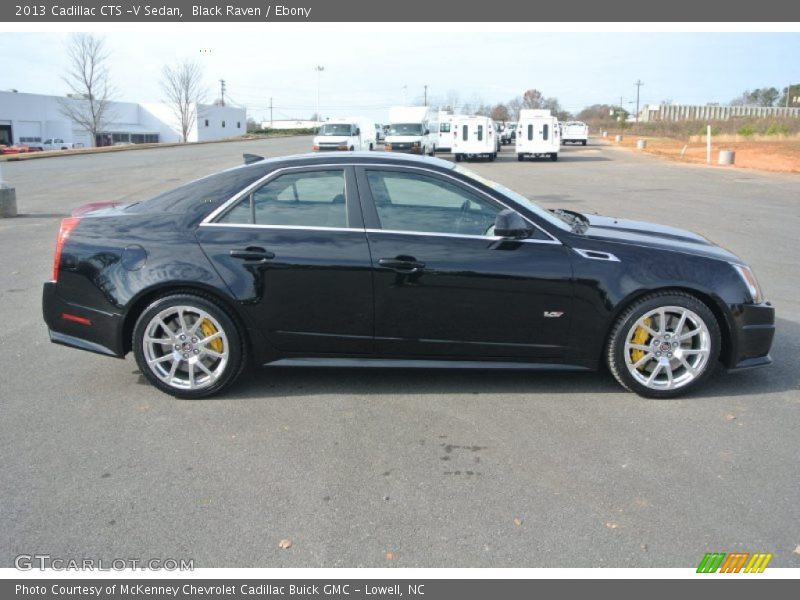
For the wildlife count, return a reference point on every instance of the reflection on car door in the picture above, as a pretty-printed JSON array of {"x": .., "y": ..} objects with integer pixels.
[
  {"x": 445, "y": 285},
  {"x": 293, "y": 251}
]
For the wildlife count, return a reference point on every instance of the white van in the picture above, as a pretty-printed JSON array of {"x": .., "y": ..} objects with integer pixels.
[
  {"x": 444, "y": 139},
  {"x": 574, "y": 132},
  {"x": 474, "y": 137},
  {"x": 345, "y": 133},
  {"x": 411, "y": 129},
  {"x": 537, "y": 134}
]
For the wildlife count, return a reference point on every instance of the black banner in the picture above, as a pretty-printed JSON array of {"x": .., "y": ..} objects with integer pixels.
[{"x": 253, "y": 11}]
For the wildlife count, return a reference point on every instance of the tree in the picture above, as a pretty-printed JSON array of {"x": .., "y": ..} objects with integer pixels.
[
  {"x": 532, "y": 99},
  {"x": 793, "y": 91},
  {"x": 183, "y": 86},
  {"x": 500, "y": 113},
  {"x": 87, "y": 76},
  {"x": 252, "y": 125},
  {"x": 758, "y": 97},
  {"x": 514, "y": 106}
]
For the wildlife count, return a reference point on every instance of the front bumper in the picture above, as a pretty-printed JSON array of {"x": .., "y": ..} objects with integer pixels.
[
  {"x": 753, "y": 332},
  {"x": 403, "y": 147},
  {"x": 101, "y": 335}
]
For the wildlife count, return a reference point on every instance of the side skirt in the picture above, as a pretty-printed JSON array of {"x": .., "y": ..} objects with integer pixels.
[{"x": 390, "y": 363}]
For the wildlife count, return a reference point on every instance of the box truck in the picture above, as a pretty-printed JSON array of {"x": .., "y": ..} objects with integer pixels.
[
  {"x": 537, "y": 134},
  {"x": 345, "y": 133},
  {"x": 474, "y": 137},
  {"x": 411, "y": 129},
  {"x": 574, "y": 132}
]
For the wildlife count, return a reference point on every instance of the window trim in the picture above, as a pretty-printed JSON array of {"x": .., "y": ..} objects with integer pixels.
[
  {"x": 210, "y": 220},
  {"x": 362, "y": 196}
]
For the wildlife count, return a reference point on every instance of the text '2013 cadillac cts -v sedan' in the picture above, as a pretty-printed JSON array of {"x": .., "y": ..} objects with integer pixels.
[{"x": 385, "y": 260}]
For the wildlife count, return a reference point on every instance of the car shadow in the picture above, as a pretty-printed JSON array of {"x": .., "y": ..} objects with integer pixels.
[{"x": 782, "y": 376}]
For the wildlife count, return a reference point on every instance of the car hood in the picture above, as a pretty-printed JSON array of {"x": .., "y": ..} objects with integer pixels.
[
  {"x": 331, "y": 139},
  {"x": 653, "y": 235}
]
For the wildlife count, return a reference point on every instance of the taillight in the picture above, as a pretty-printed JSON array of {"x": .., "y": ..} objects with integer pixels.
[{"x": 67, "y": 225}]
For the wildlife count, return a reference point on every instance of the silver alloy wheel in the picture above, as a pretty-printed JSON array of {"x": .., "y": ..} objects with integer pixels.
[
  {"x": 667, "y": 348},
  {"x": 185, "y": 347}
]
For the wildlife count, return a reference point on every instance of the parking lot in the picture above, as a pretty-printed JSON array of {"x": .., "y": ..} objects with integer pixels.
[{"x": 397, "y": 467}]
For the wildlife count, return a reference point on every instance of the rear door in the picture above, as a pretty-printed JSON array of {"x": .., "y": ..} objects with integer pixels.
[
  {"x": 293, "y": 250},
  {"x": 445, "y": 286}
]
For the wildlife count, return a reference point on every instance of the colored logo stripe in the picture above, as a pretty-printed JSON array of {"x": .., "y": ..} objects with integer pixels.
[{"x": 734, "y": 562}]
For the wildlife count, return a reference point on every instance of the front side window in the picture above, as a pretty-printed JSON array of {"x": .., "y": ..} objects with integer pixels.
[
  {"x": 480, "y": 133},
  {"x": 444, "y": 127},
  {"x": 465, "y": 133},
  {"x": 307, "y": 199},
  {"x": 530, "y": 132},
  {"x": 545, "y": 131},
  {"x": 420, "y": 203}
]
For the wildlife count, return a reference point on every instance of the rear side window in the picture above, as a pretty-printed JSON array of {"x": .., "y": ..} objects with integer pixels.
[
  {"x": 465, "y": 133},
  {"x": 530, "y": 132},
  {"x": 545, "y": 131},
  {"x": 480, "y": 133},
  {"x": 307, "y": 199}
]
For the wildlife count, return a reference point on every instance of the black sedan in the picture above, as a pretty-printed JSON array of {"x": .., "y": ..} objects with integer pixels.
[{"x": 394, "y": 261}]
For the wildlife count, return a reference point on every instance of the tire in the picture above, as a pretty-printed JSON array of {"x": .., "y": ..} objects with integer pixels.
[
  {"x": 554, "y": 156},
  {"x": 370, "y": 146},
  {"x": 458, "y": 157},
  {"x": 352, "y": 148},
  {"x": 165, "y": 365},
  {"x": 643, "y": 368},
  {"x": 583, "y": 142},
  {"x": 520, "y": 157}
]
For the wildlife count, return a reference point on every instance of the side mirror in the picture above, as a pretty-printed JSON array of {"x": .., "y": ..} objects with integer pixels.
[
  {"x": 427, "y": 132},
  {"x": 510, "y": 224}
]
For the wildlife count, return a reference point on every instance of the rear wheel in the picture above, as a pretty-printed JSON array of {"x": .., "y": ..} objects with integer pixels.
[
  {"x": 458, "y": 157},
  {"x": 187, "y": 346},
  {"x": 664, "y": 344},
  {"x": 583, "y": 142},
  {"x": 554, "y": 156},
  {"x": 519, "y": 157}
]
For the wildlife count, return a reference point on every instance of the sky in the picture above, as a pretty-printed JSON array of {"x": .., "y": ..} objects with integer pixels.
[{"x": 365, "y": 73}]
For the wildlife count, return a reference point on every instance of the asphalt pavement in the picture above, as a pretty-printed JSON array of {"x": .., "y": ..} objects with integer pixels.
[{"x": 436, "y": 468}]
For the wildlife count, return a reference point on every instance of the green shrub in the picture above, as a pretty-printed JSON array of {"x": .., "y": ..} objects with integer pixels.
[
  {"x": 776, "y": 129},
  {"x": 747, "y": 130}
]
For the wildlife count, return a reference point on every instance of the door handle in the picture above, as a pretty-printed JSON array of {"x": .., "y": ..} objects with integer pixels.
[
  {"x": 402, "y": 265},
  {"x": 253, "y": 254}
]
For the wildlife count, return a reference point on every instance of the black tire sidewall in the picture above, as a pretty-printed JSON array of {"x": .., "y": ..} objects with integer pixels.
[
  {"x": 235, "y": 343},
  {"x": 616, "y": 351}
]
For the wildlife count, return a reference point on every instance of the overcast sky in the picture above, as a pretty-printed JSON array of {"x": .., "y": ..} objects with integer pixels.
[{"x": 365, "y": 73}]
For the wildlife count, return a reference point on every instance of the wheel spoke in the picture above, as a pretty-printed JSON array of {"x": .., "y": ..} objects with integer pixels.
[
  {"x": 670, "y": 380},
  {"x": 160, "y": 359},
  {"x": 695, "y": 350},
  {"x": 191, "y": 374},
  {"x": 681, "y": 323},
  {"x": 206, "y": 370},
  {"x": 688, "y": 367},
  {"x": 642, "y": 360},
  {"x": 162, "y": 341},
  {"x": 662, "y": 316},
  {"x": 689, "y": 335},
  {"x": 172, "y": 370},
  {"x": 647, "y": 328},
  {"x": 166, "y": 328},
  {"x": 655, "y": 372},
  {"x": 210, "y": 338},
  {"x": 643, "y": 347},
  {"x": 213, "y": 353},
  {"x": 182, "y": 321}
]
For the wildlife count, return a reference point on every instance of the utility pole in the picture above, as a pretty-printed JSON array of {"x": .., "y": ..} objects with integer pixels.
[
  {"x": 638, "y": 84},
  {"x": 319, "y": 69},
  {"x": 222, "y": 91},
  {"x": 270, "y": 111},
  {"x": 426, "y": 95}
]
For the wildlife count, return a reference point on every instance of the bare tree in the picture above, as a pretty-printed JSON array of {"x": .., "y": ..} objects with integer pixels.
[
  {"x": 500, "y": 113},
  {"x": 183, "y": 86},
  {"x": 89, "y": 105},
  {"x": 514, "y": 106},
  {"x": 532, "y": 99}
]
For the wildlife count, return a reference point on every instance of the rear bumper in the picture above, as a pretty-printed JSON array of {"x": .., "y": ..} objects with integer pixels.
[
  {"x": 754, "y": 330},
  {"x": 100, "y": 335}
]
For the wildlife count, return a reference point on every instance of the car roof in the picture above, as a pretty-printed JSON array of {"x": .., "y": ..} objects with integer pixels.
[{"x": 327, "y": 158}]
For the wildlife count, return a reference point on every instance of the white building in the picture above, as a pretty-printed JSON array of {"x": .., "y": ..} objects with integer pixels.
[
  {"x": 290, "y": 124},
  {"x": 32, "y": 118}
]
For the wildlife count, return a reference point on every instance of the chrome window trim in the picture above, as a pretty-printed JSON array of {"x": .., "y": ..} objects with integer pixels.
[
  {"x": 490, "y": 238},
  {"x": 209, "y": 220},
  {"x": 260, "y": 182},
  {"x": 607, "y": 256}
]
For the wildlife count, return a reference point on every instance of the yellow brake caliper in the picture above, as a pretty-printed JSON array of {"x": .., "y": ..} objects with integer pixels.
[
  {"x": 208, "y": 329},
  {"x": 640, "y": 336}
]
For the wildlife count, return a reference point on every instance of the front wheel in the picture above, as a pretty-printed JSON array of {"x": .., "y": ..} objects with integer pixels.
[
  {"x": 520, "y": 157},
  {"x": 554, "y": 156},
  {"x": 664, "y": 344},
  {"x": 187, "y": 346}
]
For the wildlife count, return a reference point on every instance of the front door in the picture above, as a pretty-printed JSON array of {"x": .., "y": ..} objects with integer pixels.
[
  {"x": 446, "y": 286},
  {"x": 294, "y": 252}
]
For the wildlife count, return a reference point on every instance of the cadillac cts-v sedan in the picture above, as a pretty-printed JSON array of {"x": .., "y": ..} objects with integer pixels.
[{"x": 394, "y": 261}]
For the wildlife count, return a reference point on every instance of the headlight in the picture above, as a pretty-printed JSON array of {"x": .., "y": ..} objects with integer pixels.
[{"x": 746, "y": 273}]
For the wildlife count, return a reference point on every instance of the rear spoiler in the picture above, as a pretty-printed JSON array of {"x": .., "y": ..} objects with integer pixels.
[{"x": 251, "y": 158}]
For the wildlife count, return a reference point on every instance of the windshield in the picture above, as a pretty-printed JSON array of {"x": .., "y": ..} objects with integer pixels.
[
  {"x": 336, "y": 129},
  {"x": 517, "y": 199},
  {"x": 405, "y": 129}
]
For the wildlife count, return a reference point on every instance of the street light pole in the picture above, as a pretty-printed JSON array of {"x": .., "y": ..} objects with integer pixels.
[
  {"x": 319, "y": 69},
  {"x": 638, "y": 84}
]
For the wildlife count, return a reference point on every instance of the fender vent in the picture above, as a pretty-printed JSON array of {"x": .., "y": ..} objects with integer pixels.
[{"x": 596, "y": 255}]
